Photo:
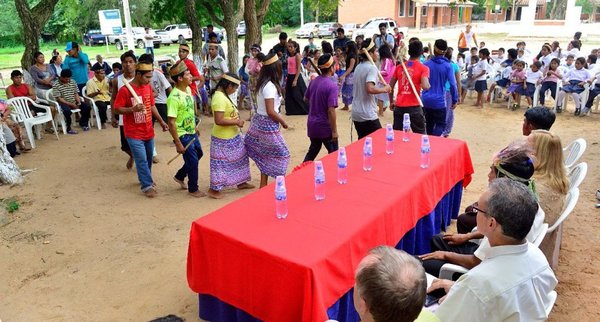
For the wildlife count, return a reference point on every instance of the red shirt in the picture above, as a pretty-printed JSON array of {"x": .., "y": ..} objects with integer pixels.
[
  {"x": 194, "y": 71},
  {"x": 406, "y": 97},
  {"x": 19, "y": 91},
  {"x": 137, "y": 125}
]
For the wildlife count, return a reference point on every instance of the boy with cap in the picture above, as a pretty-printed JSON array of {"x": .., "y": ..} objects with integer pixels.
[{"x": 184, "y": 52}]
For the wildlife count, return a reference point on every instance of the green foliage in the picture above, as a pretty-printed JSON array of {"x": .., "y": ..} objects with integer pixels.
[
  {"x": 10, "y": 19},
  {"x": 586, "y": 6},
  {"x": 11, "y": 205}
]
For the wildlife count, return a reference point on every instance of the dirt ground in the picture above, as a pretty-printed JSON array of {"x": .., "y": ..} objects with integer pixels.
[{"x": 86, "y": 245}]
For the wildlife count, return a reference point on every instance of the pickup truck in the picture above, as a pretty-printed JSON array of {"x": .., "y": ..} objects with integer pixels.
[
  {"x": 178, "y": 33},
  {"x": 120, "y": 41}
]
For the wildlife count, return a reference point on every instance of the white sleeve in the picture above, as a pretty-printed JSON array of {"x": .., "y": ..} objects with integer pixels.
[
  {"x": 462, "y": 305},
  {"x": 224, "y": 66},
  {"x": 163, "y": 80},
  {"x": 372, "y": 75},
  {"x": 269, "y": 91},
  {"x": 483, "y": 249}
]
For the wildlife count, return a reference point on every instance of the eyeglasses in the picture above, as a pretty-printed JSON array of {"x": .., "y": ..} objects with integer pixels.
[{"x": 479, "y": 210}]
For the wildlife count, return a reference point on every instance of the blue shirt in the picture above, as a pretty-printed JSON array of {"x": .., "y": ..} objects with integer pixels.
[
  {"x": 78, "y": 66},
  {"x": 243, "y": 74},
  {"x": 440, "y": 72},
  {"x": 456, "y": 70}
]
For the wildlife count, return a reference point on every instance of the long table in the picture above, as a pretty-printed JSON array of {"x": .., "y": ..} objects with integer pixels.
[{"x": 247, "y": 264}]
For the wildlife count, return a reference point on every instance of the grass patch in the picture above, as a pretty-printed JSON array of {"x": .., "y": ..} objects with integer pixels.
[{"x": 11, "y": 204}]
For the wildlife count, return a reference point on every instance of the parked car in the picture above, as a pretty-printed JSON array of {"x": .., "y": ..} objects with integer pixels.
[
  {"x": 328, "y": 29},
  {"x": 241, "y": 29},
  {"x": 310, "y": 29},
  {"x": 120, "y": 41},
  {"x": 165, "y": 38},
  {"x": 371, "y": 27},
  {"x": 177, "y": 33},
  {"x": 94, "y": 37},
  {"x": 220, "y": 32},
  {"x": 349, "y": 29}
]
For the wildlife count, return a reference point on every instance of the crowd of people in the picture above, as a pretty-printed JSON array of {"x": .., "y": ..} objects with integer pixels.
[{"x": 527, "y": 179}]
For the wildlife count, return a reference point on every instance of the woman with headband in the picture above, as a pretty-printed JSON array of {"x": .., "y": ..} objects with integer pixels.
[
  {"x": 552, "y": 184},
  {"x": 229, "y": 164},
  {"x": 137, "y": 122},
  {"x": 264, "y": 141},
  {"x": 364, "y": 114},
  {"x": 322, "y": 95}
]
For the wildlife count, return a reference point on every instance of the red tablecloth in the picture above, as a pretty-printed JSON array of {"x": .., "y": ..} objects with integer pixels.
[{"x": 294, "y": 269}]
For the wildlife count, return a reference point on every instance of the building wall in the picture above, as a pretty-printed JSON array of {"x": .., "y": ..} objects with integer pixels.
[{"x": 359, "y": 11}]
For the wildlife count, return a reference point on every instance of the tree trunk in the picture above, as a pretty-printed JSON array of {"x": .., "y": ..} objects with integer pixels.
[
  {"x": 513, "y": 12},
  {"x": 9, "y": 170},
  {"x": 33, "y": 21},
  {"x": 254, "y": 19},
  {"x": 232, "y": 16},
  {"x": 192, "y": 21}
]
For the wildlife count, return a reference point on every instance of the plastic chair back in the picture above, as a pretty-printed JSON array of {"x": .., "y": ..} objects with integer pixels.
[
  {"x": 574, "y": 151},
  {"x": 540, "y": 236},
  {"x": 571, "y": 201},
  {"x": 577, "y": 174},
  {"x": 20, "y": 107}
]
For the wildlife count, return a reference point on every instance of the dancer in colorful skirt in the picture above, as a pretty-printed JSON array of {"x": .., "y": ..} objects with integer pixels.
[
  {"x": 347, "y": 79},
  {"x": 182, "y": 126},
  {"x": 263, "y": 141},
  {"x": 229, "y": 164}
]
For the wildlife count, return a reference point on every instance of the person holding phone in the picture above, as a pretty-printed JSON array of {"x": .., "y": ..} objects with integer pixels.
[{"x": 383, "y": 38}]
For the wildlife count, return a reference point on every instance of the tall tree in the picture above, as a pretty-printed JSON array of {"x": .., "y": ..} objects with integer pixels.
[
  {"x": 254, "y": 16},
  {"x": 233, "y": 12},
  {"x": 192, "y": 20},
  {"x": 33, "y": 21}
]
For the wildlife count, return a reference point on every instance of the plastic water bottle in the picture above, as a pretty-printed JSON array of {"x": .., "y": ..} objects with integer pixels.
[
  {"x": 368, "y": 154},
  {"x": 319, "y": 181},
  {"x": 425, "y": 149},
  {"x": 406, "y": 128},
  {"x": 389, "y": 139},
  {"x": 342, "y": 166},
  {"x": 281, "y": 209}
]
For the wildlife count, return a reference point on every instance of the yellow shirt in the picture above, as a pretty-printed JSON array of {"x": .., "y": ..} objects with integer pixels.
[
  {"x": 94, "y": 84},
  {"x": 427, "y": 316},
  {"x": 221, "y": 103}
]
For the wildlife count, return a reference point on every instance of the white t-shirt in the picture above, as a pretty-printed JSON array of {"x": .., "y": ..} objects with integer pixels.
[
  {"x": 533, "y": 77},
  {"x": 581, "y": 75},
  {"x": 481, "y": 66},
  {"x": 468, "y": 38},
  {"x": 363, "y": 103},
  {"x": 159, "y": 87},
  {"x": 266, "y": 92},
  {"x": 148, "y": 42}
]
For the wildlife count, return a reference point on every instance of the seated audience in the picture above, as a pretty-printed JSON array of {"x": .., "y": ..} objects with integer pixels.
[
  {"x": 102, "y": 64},
  {"x": 514, "y": 281},
  {"x": 538, "y": 118},
  {"x": 390, "y": 286},
  {"x": 67, "y": 95},
  {"x": 99, "y": 90},
  {"x": 43, "y": 75}
]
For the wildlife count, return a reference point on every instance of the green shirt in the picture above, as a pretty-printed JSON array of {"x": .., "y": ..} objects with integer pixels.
[{"x": 180, "y": 105}]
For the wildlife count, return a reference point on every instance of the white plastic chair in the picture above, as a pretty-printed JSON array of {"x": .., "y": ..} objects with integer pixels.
[
  {"x": 570, "y": 201},
  {"x": 61, "y": 117},
  {"x": 574, "y": 151},
  {"x": 577, "y": 174},
  {"x": 22, "y": 114},
  {"x": 93, "y": 107},
  {"x": 540, "y": 236}
]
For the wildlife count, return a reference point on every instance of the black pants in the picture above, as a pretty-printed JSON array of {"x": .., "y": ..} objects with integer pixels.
[
  {"x": 466, "y": 222},
  {"x": 593, "y": 93},
  {"x": 83, "y": 120},
  {"x": 162, "y": 111},
  {"x": 435, "y": 120},
  {"x": 124, "y": 144},
  {"x": 547, "y": 86},
  {"x": 366, "y": 127},
  {"x": 315, "y": 147},
  {"x": 12, "y": 149},
  {"x": 417, "y": 118},
  {"x": 102, "y": 107},
  {"x": 433, "y": 266}
]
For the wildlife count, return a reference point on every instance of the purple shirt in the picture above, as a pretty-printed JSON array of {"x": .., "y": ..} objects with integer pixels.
[{"x": 322, "y": 93}]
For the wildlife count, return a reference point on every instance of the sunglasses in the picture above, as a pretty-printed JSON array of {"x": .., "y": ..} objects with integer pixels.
[{"x": 478, "y": 210}]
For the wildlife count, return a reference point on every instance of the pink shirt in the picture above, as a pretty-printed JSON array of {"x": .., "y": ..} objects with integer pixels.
[
  {"x": 291, "y": 66},
  {"x": 553, "y": 76},
  {"x": 387, "y": 69}
]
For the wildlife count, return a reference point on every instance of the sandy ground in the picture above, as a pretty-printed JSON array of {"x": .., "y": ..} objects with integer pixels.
[{"x": 86, "y": 245}]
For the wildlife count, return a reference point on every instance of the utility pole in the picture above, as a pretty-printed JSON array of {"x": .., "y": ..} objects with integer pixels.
[
  {"x": 301, "y": 12},
  {"x": 128, "y": 27}
]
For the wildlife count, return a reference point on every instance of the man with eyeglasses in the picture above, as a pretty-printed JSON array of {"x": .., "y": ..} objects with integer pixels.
[{"x": 514, "y": 281}]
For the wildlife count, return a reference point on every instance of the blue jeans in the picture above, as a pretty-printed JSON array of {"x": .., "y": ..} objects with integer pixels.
[
  {"x": 191, "y": 157},
  {"x": 142, "y": 155},
  {"x": 150, "y": 50}
]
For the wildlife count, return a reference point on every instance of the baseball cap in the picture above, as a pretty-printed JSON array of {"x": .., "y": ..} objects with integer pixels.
[{"x": 71, "y": 45}]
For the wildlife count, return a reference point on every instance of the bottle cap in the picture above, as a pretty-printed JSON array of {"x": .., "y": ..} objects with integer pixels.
[
  {"x": 318, "y": 166},
  {"x": 342, "y": 151},
  {"x": 406, "y": 117},
  {"x": 425, "y": 139},
  {"x": 280, "y": 181},
  {"x": 389, "y": 127},
  {"x": 368, "y": 140}
]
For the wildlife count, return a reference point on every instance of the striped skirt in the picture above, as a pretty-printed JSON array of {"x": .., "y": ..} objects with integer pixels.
[
  {"x": 229, "y": 164},
  {"x": 347, "y": 89},
  {"x": 266, "y": 146}
]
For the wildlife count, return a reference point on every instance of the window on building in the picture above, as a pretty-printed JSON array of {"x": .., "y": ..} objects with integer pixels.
[
  {"x": 423, "y": 11},
  {"x": 401, "y": 8},
  {"x": 411, "y": 8}
]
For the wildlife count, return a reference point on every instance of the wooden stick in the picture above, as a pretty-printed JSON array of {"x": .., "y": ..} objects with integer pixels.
[
  {"x": 132, "y": 92},
  {"x": 412, "y": 85},
  {"x": 381, "y": 79},
  {"x": 178, "y": 154}
]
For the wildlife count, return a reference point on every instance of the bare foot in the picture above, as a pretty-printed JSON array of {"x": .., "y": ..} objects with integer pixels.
[
  {"x": 181, "y": 183},
  {"x": 197, "y": 194},
  {"x": 150, "y": 193},
  {"x": 129, "y": 163},
  {"x": 214, "y": 194},
  {"x": 345, "y": 108},
  {"x": 245, "y": 185}
]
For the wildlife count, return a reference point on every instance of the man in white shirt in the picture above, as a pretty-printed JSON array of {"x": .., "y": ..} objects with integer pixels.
[
  {"x": 514, "y": 282},
  {"x": 384, "y": 38},
  {"x": 149, "y": 42}
]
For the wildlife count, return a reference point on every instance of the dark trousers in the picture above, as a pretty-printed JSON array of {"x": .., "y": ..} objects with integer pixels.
[
  {"x": 433, "y": 266},
  {"x": 315, "y": 147},
  {"x": 462, "y": 50},
  {"x": 435, "y": 120},
  {"x": 593, "y": 93},
  {"x": 417, "y": 118},
  {"x": 366, "y": 127},
  {"x": 83, "y": 120},
  {"x": 547, "y": 86},
  {"x": 124, "y": 144},
  {"x": 102, "y": 107},
  {"x": 191, "y": 157},
  {"x": 162, "y": 111},
  {"x": 12, "y": 149},
  {"x": 466, "y": 222}
]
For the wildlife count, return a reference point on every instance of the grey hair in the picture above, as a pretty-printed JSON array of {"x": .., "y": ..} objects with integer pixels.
[
  {"x": 393, "y": 285},
  {"x": 513, "y": 206}
]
